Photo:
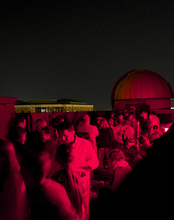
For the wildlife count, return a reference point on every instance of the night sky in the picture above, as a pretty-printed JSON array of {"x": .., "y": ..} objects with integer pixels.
[{"x": 78, "y": 49}]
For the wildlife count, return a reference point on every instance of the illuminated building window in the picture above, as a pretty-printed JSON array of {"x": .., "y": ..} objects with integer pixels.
[{"x": 38, "y": 109}]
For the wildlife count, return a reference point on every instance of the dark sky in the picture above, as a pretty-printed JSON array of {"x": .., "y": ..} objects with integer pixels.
[{"x": 79, "y": 48}]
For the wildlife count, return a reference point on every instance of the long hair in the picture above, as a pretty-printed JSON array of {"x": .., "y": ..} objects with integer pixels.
[{"x": 74, "y": 190}]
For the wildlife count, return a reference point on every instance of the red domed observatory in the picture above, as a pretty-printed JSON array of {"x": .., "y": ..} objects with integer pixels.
[{"x": 141, "y": 87}]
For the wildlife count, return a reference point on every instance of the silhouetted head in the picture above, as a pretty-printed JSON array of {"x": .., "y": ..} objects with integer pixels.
[
  {"x": 86, "y": 119},
  {"x": 35, "y": 168},
  {"x": 40, "y": 123},
  {"x": 18, "y": 134},
  {"x": 20, "y": 121},
  {"x": 144, "y": 114},
  {"x": 48, "y": 133},
  {"x": 111, "y": 121},
  {"x": 63, "y": 154}
]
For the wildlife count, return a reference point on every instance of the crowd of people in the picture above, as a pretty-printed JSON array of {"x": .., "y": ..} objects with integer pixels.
[{"x": 48, "y": 173}]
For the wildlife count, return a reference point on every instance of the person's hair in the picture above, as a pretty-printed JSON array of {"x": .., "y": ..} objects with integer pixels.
[
  {"x": 111, "y": 120},
  {"x": 131, "y": 113},
  {"x": 86, "y": 117},
  {"x": 19, "y": 119},
  {"x": 119, "y": 114},
  {"x": 153, "y": 113},
  {"x": 66, "y": 126},
  {"x": 116, "y": 154},
  {"x": 63, "y": 154},
  {"x": 59, "y": 119},
  {"x": 39, "y": 124},
  {"x": 112, "y": 113},
  {"x": 40, "y": 120},
  {"x": 145, "y": 111},
  {"x": 33, "y": 168},
  {"x": 98, "y": 119},
  {"x": 50, "y": 130},
  {"x": 15, "y": 133},
  {"x": 142, "y": 139},
  {"x": 64, "y": 157},
  {"x": 79, "y": 121},
  {"x": 84, "y": 135},
  {"x": 103, "y": 123}
]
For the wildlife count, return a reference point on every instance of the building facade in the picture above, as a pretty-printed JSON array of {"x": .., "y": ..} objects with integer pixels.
[{"x": 45, "y": 106}]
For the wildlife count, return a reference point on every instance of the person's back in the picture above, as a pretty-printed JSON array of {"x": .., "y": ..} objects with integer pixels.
[
  {"x": 121, "y": 168},
  {"x": 120, "y": 175},
  {"x": 21, "y": 152},
  {"x": 48, "y": 138},
  {"x": 135, "y": 160},
  {"x": 144, "y": 123},
  {"x": 154, "y": 137},
  {"x": 34, "y": 141},
  {"x": 69, "y": 179},
  {"x": 134, "y": 124},
  {"x": 48, "y": 199},
  {"x": 128, "y": 132},
  {"x": 106, "y": 138},
  {"x": 118, "y": 132},
  {"x": 17, "y": 135},
  {"x": 13, "y": 199},
  {"x": 91, "y": 129},
  {"x": 134, "y": 156},
  {"x": 35, "y": 137}
]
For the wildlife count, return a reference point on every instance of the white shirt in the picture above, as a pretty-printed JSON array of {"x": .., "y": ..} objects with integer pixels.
[
  {"x": 92, "y": 130},
  {"x": 84, "y": 157}
]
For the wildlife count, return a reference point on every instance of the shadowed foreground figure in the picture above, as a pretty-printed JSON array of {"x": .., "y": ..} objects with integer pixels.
[
  {"x": 148, "y": 190},
  {"x": 48, "y": 199},
  {"x": 13, "y": 198}
]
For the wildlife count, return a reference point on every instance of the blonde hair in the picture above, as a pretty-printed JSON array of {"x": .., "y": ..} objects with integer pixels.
[
  {"x": 103, "y": 123},
  {"x": 116, "y": 154}
]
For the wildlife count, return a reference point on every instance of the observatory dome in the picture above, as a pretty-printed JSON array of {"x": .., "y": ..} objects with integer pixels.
[{"x": 141, "y": 87}]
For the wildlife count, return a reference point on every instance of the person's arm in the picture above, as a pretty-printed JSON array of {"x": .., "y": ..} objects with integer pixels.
[
  {"x": 57, "y": 195},
  {"x": 91, "y": 162},
  {"x": 67, "y": 210},
  {"x": 117, "y": 179}
]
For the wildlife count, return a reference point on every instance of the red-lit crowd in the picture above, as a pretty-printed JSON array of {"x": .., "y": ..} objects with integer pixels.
[{"x": 48, "y": 173}]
